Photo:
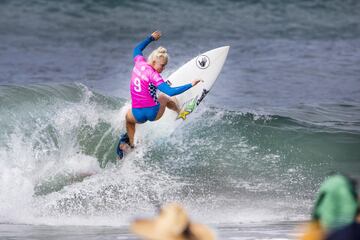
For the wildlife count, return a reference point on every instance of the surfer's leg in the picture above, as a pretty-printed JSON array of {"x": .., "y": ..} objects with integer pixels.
[
  {"x": 173, "y": 104},
  {"x": 130, "y": 126},
  {"x": 168, "y": 102}
]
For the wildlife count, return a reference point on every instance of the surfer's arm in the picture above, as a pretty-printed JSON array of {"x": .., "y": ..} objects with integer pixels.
[
  {"x": 142, "y": 45},
  {"x": 173, "y": 91}
]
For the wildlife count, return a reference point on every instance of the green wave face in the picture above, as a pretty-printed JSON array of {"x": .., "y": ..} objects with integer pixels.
[{"x": 58, "y": 143}]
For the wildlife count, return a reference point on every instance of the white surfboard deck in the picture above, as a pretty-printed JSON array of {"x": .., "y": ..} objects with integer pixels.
[{"x": 207, "y": 67}]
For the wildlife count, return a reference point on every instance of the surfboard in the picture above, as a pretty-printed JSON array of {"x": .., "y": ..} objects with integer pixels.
[{"x": 207, "y": 67}]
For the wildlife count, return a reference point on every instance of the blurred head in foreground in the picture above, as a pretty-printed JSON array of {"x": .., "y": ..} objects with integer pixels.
[
  {"x": 172, "y": 223},
  {"x": 336, "y": 207},
  {"x": 337, "y": 202}
]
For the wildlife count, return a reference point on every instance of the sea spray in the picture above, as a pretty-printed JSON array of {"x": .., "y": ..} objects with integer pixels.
[{"x": 58, "y": 152}]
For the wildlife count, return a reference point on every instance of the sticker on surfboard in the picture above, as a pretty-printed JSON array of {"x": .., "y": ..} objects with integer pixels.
[
  {"x": 202, "y": 61},
  {"x": 189, "y": 106}
]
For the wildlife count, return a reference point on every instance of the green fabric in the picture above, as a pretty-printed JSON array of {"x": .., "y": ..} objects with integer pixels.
[{"x": 336, "y": 204}]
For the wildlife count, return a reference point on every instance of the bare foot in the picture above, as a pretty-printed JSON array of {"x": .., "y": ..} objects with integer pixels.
[{"x": 125, "y": 147}]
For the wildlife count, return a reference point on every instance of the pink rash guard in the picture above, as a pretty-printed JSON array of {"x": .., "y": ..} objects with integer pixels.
[{"x": 143, "y": 84}]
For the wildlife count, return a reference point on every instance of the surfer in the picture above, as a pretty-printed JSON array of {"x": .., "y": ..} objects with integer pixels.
[{"x": 146, "y": 104}]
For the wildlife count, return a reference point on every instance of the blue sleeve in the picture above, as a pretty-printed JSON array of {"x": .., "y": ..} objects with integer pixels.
[
  {"x": 141, "y": 46},
  {"x": 172, "y": 91}
]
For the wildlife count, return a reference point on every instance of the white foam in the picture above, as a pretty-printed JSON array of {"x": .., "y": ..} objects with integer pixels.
[
  {"x": 35, "y": 153},
  {"x": 31, "y": 154}
]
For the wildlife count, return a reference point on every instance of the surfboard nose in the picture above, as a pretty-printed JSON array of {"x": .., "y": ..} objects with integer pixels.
[
  {"x": 225, "y": 49},
  {"x": 220, "y": 52}
]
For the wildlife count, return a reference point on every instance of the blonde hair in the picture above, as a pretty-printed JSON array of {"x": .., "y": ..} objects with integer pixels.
[{"x": 160, "y": 52}]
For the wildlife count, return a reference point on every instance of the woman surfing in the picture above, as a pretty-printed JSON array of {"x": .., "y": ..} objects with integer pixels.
[{"x": 146, "y": 104}]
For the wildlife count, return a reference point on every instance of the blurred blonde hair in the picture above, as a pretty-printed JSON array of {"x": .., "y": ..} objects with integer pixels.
[
  {"x": 172, "y": 223},
  {"x": 160, "y": 52}
]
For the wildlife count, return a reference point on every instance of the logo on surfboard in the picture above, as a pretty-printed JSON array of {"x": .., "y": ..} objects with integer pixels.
[
  {"x": 202, "y": 61},
  {"x": 190, "y": 105},
  {"x": 204, "y": 92}
]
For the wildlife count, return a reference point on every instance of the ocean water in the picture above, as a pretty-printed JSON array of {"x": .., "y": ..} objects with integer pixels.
[{"x": 284, "y": 113}]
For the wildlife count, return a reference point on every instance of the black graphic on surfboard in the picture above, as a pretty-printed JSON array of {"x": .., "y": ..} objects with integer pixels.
[{"x": 202, "y": 61}]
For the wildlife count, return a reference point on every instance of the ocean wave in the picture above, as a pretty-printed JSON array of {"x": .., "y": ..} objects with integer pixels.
[{"x": 57, "y": 151}]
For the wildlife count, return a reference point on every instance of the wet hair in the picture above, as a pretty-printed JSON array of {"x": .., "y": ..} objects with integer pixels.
[{"x": 160, "y": 52}]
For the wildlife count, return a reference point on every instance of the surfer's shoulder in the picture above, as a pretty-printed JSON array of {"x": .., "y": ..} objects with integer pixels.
[{"x": 139, "y": 59}]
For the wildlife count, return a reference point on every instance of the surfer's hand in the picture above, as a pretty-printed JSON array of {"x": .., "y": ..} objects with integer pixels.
[
  {"x": 196, "y": 81},
  {"x": 156, "y": 35}
]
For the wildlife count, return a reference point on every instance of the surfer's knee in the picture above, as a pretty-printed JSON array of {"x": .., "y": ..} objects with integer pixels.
[
  {"x": 163, "y": 99},
  {"x": 169, "y": 102}
]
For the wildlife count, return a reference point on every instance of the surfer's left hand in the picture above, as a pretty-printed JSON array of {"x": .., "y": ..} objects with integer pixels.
[
  {"x": 156, "y": 35},
  {"x": 196, "y": 81}
]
